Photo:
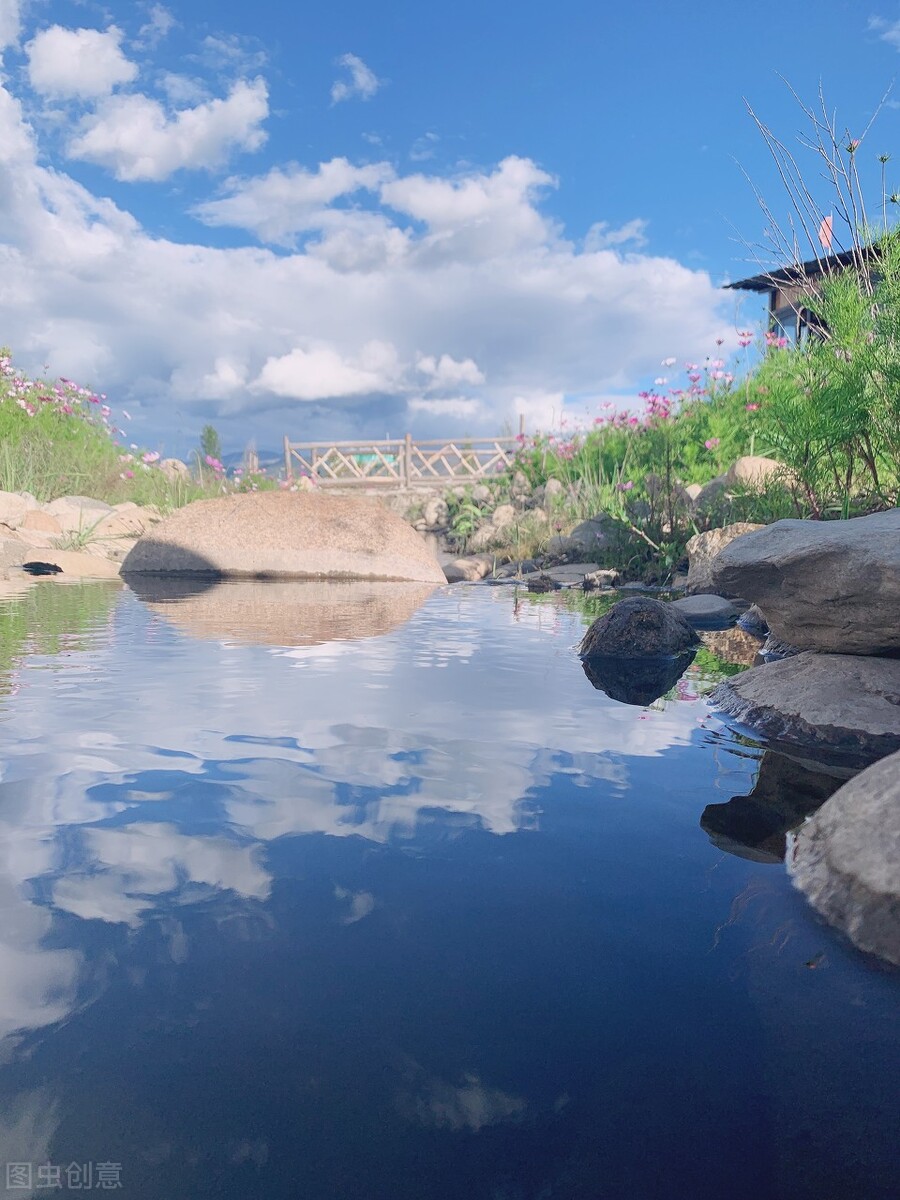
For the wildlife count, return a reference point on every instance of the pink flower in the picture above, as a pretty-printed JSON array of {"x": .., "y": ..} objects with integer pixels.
[
  {"x": 151, "y": 456},
  {"x": 126, "y": 415},
  {"x": 668, "y": 362},
  {"x": 127, "y": 475},
  {"x": 711, "y": 443},
  {"x": 751, "y": 407}
]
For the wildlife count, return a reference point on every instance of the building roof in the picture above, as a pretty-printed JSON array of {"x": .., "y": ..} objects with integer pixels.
[{"x": 769, "y": 280}]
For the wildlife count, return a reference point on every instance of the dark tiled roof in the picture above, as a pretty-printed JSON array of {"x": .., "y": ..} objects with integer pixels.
[{"x": 816, "y": 267}]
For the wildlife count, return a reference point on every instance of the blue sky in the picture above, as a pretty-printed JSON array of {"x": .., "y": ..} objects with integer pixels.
[{"x": 350, "y": 220}]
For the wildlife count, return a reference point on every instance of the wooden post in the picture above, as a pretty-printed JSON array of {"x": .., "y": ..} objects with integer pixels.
[
  {"x": 407, "y": 461},
  {"x": 288, "y": 468},
  {"x": 521, "y": 424}
]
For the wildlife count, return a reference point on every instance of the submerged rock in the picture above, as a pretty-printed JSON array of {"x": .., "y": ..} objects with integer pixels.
[
  {"x": 832, "y": 586},
  {"x": 642, "y": 627},
  {"x": 842, "y": 704},
  {"x": 636, "y": 680},
  {"x": 293, "y": 535},
  {"x": 846, "y": 860}
]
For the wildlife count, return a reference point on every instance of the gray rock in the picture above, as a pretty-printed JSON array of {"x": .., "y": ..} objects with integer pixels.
[
  {"x": 704, "y": 548},
  {"x": 839, "y": 704},
  {"x": 596, "y": 533},
  {"x": 832, "y": 586},
  {"x": 481, "y": 494},
  {"x": 520, "y": 485},
  {"x": 754, "y": 470},
  {"x": 846, "y": 860},
  {"x": 553, "y": 487},
  {"x": 14, "y": 506},
  {"x": 692, "y": 491},
  {"x": 753, "y": 622},
  {"x": 594, "y": 580},
  {"x": 712, "y": 495},
  {"x": 707, "y": 611},
  {"x": 639, "y": 627},
  {"x": 294, "y": 535},
  {"x": 503, "y": 514},
  {"x": 467, "y": 570},
  {"x": 437, "y": 512}
]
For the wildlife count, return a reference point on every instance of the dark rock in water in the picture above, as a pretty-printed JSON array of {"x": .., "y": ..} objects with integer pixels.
[
  {"x": 41, "y": 568},
  {"x": 753, "y": 622},
  {"x": 844, "y": 707},
  {"x": 636, "y": 680},
  {"x": 846, "y": 860},
  {"x": 756, "y": 826},
  {"x": 639, "y": 627},
  {"x": 707, "y": 611},
  {"x": 542, "y": 583}
]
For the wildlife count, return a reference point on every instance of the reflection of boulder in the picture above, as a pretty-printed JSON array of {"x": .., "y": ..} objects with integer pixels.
[
  {"x": 755, "y": 826},
  {"x": 282, "y": 613},
  {"x": 733, "y": 646},
  {"x": 846, "y": 860},
  {"x": 285, "y": 535},
  {"x": 639, "y": 626},
  {"x": 635, "y": 680}
]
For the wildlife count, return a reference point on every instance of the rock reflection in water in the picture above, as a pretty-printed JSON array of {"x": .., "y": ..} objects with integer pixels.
[
  {"x": 281, "y": 613},
  {"x": 785, "y": 793},
  {"x": 635, "y": 680}
]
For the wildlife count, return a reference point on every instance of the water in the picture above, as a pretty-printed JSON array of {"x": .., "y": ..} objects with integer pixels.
[{"x": 291, "y": 912}]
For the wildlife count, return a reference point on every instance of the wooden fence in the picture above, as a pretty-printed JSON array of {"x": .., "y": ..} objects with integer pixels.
[{"x": 401, "y": 464}]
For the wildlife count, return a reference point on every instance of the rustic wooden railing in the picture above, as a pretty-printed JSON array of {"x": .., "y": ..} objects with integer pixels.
[{"x": 399, "y": 464}]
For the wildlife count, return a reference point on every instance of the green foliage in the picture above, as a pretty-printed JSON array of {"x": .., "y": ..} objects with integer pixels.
[{"x": 210, "y": 445}]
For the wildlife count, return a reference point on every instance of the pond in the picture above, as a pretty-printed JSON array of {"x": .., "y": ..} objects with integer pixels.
[{"x": 313, "y": 892}]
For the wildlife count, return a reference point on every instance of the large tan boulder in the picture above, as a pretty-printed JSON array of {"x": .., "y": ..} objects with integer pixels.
[
  {"x": 832, "y": 586},
  {"x": 36, "y": 520},
  {"x": 74, "y": 564},
  {"x": 841, "y": 704},
  {"x": 13, "y": 507},
  {"x": 174, "y": 470},
  {"x": 76, "y": 514},
  {"x": 290, "y": 535},
  {"x": 704, "y": 548},
  {"x": 846, "y": 860},
  {"x": 754, "y": 470}
]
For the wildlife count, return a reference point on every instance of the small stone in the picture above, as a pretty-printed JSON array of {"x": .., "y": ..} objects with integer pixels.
[{"x": 707, "y": 611}]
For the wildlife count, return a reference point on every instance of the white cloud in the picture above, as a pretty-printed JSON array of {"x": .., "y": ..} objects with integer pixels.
[
  {"x": 160, "y": 23},
  {"x": 603, "y": 236},
  {"x": 78, "y": 63},
  {"x": 321, "y": 374},
  {"x": 446, "y": 371},
  {"x": 471, "y": 276},
  {"x": 362, "y": 84},
  {"x": 289, "y": 200},
  {"x": 10, "y": 23},
  {"x": 888, "y": 31},
  {"x": 136, "y": 139}
]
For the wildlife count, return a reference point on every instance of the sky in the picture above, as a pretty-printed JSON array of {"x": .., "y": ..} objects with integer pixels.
[{"x": 359, "y": 220}]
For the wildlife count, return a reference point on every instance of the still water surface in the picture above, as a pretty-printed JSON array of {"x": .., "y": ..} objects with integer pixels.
[{"x": 288, "y": 912}]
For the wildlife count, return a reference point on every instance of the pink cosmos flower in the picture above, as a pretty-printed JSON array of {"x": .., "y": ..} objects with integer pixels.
[
  {"x": 711, "y": 443},
  {"x": 751, "y": 407},
  {"x": 151, "y": 456}
]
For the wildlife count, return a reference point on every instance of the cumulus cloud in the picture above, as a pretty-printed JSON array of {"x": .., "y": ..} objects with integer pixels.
[
  {"x": 10, "y": 23},
  {"x": 362, "y": 84},
  {"x": 134, "y": 137},
  {"x": 417, "y": 301},
  {"x": 289, "y": 200},
  {"x": 446, "y": 371},
  {"x": 78, "y": 64},
  {"x": 320, "y": 373}
]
